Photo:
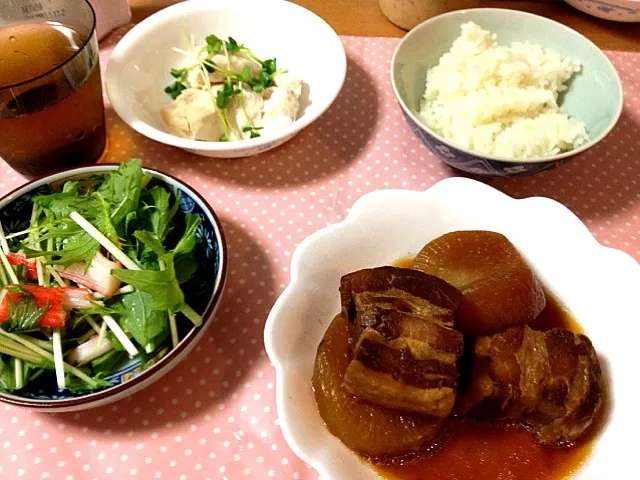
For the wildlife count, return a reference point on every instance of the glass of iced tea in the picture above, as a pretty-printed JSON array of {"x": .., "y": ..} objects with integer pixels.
[{"x": 51, "y": 110}]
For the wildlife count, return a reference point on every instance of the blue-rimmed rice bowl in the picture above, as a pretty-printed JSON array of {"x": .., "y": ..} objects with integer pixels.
[{"x": 594, "y": 95}]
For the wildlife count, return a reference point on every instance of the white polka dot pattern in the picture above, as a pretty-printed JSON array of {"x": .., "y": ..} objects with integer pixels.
[{"x": 214, "y": 415}]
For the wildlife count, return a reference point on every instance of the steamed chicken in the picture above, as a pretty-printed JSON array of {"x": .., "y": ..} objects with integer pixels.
[
  {"x": 388, "y": 378},
  {"x": 226, "y": 93}
]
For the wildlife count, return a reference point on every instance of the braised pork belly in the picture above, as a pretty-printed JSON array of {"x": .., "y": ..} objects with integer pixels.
[
  {"x": 403, "y": 347},
  {"x": 550, "y": 381}
]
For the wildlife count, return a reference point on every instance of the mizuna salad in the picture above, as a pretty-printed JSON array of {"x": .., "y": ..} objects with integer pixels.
[{"x": 94, "y": 280}]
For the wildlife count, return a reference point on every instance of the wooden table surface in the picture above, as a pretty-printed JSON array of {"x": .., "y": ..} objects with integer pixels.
[{"x": 363, "y": 17}]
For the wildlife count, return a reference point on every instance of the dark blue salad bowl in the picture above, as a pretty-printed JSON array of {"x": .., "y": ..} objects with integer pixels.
[{"x": 203, "y": 293}]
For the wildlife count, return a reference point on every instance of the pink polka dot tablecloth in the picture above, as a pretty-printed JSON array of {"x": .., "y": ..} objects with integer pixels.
[{"x": 214, "y": 416}]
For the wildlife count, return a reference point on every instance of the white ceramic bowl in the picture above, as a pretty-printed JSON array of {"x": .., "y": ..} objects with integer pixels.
[
  {"x": 598, "y": 284},
  {"x": 616, "y": 10},
  {"x": 302, "y": 42}
]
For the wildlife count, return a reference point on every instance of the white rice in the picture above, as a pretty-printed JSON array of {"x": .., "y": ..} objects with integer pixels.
[{"x": 501, "y": 100}]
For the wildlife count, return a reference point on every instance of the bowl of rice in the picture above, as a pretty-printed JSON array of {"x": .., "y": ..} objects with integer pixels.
[{"x": 504, "y": 93}]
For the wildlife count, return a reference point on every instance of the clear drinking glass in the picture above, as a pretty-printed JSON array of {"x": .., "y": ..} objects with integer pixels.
[{"x": 51, "y": 109}]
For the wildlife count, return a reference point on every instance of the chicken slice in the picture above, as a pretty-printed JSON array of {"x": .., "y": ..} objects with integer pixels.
[
  {"x": 283, "y": 103},
  {"x": 192, "y": 115},
  {"x": 290, "y": 82},
  {"x": 246, "y": 110}
]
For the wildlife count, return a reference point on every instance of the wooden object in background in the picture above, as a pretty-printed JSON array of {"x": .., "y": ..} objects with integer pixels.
[{"x": 364, "y": 18}]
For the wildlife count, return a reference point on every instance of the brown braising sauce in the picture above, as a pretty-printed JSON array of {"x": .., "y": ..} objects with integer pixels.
[
  {"x": 482, "y": 451},
  {"x": 406, "y": 262}
]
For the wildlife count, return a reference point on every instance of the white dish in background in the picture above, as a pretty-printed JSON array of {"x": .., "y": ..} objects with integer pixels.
[
  {"x": 599, "y": 285},
  {"x": 302, "y": 43}
]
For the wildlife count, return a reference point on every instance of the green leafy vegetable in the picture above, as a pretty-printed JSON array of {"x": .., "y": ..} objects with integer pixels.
[
  {"x": 104, "y": 223},
  {"x": 24, "y": 313},
  {"x": 60, "y": 205},
  {"x": 109, "y": 209},
  {"x": 214, "y": 44},
  {"x": 254, "y": 131},
  {"x": 224, "y": 95},
  {"x": 141, "y": 321},
  {"x": 22, "y": 273},
  {"x": 270, "y": 66},
  {"x": 71, "y": 187},
  {"x": 188, "y": 241},
  {"x": 233, "y": 46},
  {"x": 80, "y": 247},
  {"x": 137, "y": 219},
  {"x": 129, "y": 220},
  {"x": 108, "y": 362},
  {"x": 77, "y": 245},
  {"x": 160, "y": 212},
  {"x": 151, "y": 241},
  {"x": 244, "y": 75},
  {"x": 180, "y": 73},
  {"x": 264, "y": 78},
  {"x": 184, "y": 258},
  {"x": 175, "y": 89},
  {"x": 77, "y": 385},
  {"x": 7, "y": 376},
  {"x": 96, "y": 309},
  {"x": 185, "y": 267},
  {"x": 162, "y": 286},
  {"x": 122, "y": 190},
  {"x": 115, "y": 343}
]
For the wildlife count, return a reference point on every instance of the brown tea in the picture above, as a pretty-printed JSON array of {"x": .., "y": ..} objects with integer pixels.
[{"x": 51, "y": 110}]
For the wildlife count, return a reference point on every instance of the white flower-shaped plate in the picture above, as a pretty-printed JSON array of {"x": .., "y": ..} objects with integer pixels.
[{"x": 599, "y": 285}]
